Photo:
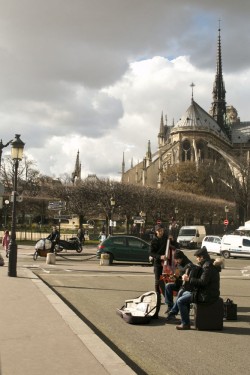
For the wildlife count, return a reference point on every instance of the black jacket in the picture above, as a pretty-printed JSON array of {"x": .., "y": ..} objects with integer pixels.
[
  {"x": 54, "y": 236},
  {"x": 158, "y": 248},
  {"x": 207, "y": 286}
]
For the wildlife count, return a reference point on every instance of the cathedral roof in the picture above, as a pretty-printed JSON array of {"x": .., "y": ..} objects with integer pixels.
[
  {"x": 196, "y": 118},
  {"x": 241, "y": 132}
]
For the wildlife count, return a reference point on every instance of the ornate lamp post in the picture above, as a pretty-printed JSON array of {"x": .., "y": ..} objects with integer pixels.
[
  {"x": 16, "y": 155},
  {"x": 112, "y": 204},
  {"x": 176, "y": 210}
]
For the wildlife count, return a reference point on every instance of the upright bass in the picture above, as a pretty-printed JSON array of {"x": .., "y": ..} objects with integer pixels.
[{"x": 169, "y": 272}]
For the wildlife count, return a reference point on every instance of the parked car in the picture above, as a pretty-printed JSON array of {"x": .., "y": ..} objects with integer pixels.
[
  {"x": 212, "y": 244},
  {"x": 235, "y": 246},
  {"x": 124, "y": 248}
]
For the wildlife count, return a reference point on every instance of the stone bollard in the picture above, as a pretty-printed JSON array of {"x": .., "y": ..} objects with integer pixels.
[
  {"x": 51, "y": 258},
  {"x": 104, "y": 261}
]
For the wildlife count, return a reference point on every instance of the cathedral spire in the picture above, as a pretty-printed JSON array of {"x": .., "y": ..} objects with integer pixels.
[
  {"x": 76, "y": 175},
  {"x": 149, "y": 153},
  {"x": 218, "y": 110},
  {"x": 161, "y": 133}
]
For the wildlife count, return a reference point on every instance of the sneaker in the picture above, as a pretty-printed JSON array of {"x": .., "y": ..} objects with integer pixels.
[
  {"x": 171, "y": 317},
  {"x": 168, "y": 310},
  {"x": 183, "y": 327}
]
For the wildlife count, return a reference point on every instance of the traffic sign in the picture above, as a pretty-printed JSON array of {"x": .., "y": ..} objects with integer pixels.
[
  {"x": 158, "y": 221},
  {"x": 62, "y": 217},
  {"x": 139, "y": 221},
  {"x": 57, "y": 205},
  {"x": 226, "y": 222}
]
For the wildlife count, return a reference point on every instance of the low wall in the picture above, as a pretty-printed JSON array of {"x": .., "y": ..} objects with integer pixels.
[{"x": 33, "y": 236}]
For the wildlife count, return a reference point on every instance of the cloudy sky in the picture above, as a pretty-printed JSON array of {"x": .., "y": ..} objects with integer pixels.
[{"x": 95, "y": 75}]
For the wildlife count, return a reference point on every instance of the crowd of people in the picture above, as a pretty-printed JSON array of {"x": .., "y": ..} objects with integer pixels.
[{"x": 179, "y": 280}]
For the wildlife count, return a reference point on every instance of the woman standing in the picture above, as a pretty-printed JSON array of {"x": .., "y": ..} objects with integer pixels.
[{"x": 6, "y": 241}]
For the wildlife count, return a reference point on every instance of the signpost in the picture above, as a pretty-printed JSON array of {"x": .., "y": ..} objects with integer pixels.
[
  {"x": 57, "y": 205},
  {"x": 139, "y": 221}
]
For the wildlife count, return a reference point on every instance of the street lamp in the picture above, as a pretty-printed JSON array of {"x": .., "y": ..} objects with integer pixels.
[
  {"x": 16, "y": 155},
  {"x": 112, "y": 204},
  {"x": 226, "y": 211}
]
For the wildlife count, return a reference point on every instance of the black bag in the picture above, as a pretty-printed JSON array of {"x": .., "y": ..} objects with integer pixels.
[{"x": 230, "y": 310}]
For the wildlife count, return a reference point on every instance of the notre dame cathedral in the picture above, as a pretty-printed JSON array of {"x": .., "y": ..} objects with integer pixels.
[{"x": 197, "y": 136}]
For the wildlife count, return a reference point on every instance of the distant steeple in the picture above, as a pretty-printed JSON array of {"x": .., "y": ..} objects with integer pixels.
[
  {"x": 218, "y": 109},
  {"x": 161, "y": 134},
  {"x": 149, "y": 153},
  {"x": 76, "y": 175}
]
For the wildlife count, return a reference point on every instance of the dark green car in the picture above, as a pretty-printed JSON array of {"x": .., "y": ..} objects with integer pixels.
[{"x": 124, "y": 248}]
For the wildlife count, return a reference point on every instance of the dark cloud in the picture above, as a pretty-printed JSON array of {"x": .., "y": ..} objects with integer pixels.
[{"x": 59, "y": 58}]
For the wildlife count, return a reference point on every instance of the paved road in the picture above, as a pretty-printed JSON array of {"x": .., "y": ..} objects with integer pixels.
[{"x": 95, "y": 292}]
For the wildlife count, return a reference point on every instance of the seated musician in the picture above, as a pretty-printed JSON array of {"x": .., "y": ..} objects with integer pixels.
[{"x": 182, "y": 262}]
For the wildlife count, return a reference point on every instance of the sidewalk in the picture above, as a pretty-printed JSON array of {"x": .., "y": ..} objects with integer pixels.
[{"x": 40, "y": 335}]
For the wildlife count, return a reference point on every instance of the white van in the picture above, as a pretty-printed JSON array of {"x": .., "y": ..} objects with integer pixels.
[
  {"x": 233, "y": 245},
  {"x": 191, "y": 236}
]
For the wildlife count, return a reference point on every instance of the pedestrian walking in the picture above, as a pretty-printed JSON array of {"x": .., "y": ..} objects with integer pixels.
[{"x": 6, "y": 242}]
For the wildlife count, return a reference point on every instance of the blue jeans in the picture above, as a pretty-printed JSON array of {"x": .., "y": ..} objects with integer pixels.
[
  {"x": 175, "y": 308},
  {"x": 183, "y": 303},
  {"x": 169, "y": 289}
]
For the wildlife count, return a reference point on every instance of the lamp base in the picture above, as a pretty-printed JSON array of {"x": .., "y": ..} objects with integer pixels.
[{"x": 12, "y": 259}]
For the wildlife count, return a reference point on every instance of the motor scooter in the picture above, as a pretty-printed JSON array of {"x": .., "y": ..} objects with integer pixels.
[
  {"x": 72, "y": 243},
  {"x": 43, "y": 246}
]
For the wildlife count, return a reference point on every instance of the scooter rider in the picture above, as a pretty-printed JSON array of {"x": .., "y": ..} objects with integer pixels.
[{"x": 54, "y": 238}]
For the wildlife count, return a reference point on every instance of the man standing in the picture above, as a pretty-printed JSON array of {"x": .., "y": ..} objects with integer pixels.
[
  {"x": 80, "y": 235},
  {"x": 157, "y": 252}
]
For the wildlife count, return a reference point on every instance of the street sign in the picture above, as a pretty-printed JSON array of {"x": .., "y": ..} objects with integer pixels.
[
  {"x": 158, "y": 221},
  {"x": 57, "y": 205},
  {"x": 226, "y": 222},
  {"x": 62, "y": 217},
  {"x": 139, "y": 221}
]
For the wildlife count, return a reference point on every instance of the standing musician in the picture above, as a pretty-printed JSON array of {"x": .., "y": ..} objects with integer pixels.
[{"x": 161, "y": 251}]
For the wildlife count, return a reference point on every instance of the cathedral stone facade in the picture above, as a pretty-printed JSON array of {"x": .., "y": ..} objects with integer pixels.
[{"x": 197, "y": 136}]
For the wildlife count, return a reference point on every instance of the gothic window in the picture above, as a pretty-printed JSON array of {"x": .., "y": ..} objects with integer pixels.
[{"x": 186, "y": 150}]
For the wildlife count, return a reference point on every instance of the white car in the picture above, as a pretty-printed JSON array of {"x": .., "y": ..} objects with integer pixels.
[{"x": 212, "y": 244}]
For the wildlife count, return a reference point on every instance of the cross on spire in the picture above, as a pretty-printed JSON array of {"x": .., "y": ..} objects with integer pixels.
[{"x": 192, "y": 86}]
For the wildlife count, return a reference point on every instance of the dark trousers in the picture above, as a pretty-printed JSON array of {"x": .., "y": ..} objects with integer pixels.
[{"x": 158, "y": 272}]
